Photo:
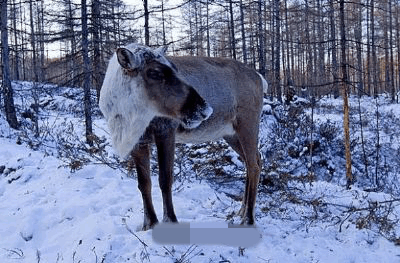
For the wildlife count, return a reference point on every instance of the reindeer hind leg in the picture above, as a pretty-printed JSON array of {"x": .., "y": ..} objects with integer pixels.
[
  {"x": 235, "y": 144},
  {"x": 141, "y": 156},
  {"x": 248, "y": 138}
]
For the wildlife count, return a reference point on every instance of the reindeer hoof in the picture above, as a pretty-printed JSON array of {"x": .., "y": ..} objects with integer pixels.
[
  {"x": 246, "y": 221},
  {"x": 147, "y": 225},
  {"x": 241, "y": 212},
  {"x": 167, "y": 219},
  {"x": 247, "y": 218}
]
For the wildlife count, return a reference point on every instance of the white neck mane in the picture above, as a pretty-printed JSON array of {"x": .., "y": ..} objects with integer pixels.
[{"x": 124, "y": 106}]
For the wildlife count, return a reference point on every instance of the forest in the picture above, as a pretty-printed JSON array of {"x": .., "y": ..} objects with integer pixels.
[
  {"x": 303, "y": 48},
  {"x": 329, "y": 136},
  {"x": 295, "y": 44}
]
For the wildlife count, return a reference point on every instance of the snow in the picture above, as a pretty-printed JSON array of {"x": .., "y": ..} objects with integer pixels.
[{"x": 52, "y": 211}]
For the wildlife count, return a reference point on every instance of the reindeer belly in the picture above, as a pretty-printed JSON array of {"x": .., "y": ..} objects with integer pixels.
[{"x": 204, "y": 133}]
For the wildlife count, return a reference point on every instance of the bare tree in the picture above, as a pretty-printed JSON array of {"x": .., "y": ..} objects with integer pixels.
[
  {"x": 41, "y": 39},
  {"x": 277, "y": 49},
  {"x": 261, "y": 48},
  {"x": 34, "y": 69},
  {"x": 9, "y": 107},
  {"x": 333, "y": 45},
  {"x": 97, "y": 79},
  {"x": 368, "y": 73},
  {"x": 321, "y": 54},
  {"x": 146, "y": 23},
  {"x": 398, "y": 48},
  {"x": 374, "y": 55},
  {"x": 391, "y": 64},
  {"x": 243, "y": 32},
  {"x": 232, "y": 30},
  {"x": 346, "y": 125},
  {"x": 14, "y": 11},
  {"x": 86, "y": 72},
  {"x": 386, "y": 51},
  {"x": 358, "y": 37}
]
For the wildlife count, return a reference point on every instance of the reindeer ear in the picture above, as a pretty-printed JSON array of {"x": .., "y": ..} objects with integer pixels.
[
  {"x": 161, "y": 50},
  {"x": 125, "y": 58}
]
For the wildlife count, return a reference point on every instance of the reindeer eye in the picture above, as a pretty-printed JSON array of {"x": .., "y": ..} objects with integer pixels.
[{"x": 155, "y": 74}]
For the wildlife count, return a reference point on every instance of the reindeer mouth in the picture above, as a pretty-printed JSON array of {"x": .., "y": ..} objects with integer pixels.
[
  {"x": 195, "y": 110},
  {"x": 194, "y": 119}
]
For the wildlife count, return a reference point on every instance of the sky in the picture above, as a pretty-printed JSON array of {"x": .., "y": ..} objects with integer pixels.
[{"x": 176, "y": 13}]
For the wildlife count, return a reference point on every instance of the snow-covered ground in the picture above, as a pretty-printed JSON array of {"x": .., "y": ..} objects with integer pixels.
[{"x": 62, "y": 201}]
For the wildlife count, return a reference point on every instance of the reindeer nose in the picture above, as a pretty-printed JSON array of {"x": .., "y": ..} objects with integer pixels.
[{"x": 206, "y": 113}]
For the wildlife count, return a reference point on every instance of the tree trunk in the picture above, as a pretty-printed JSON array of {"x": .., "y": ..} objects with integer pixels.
[
  {"x": 346, "y": 125},
  {"x": 86, "y": 74},
  {"x": 368, "y": 83},
  {"x": 33, "y": 43},
  {"x": 358, "y": 35},
  {"x": 97, "y": 80},
  {"x": 71, "y": 36},
  {"x": 321, "y": 53},
  {"x": 391, "y": 65},
  {"x": 23, "y": 46},
  {"x": 146, "y": 23},
  {"x": 232, "y": 27},
  {"x": 277, "y": 45},
  {"x": 244, "y": 49},
  {"x": 386, "y": 47},
  {"x": 261, "y": 60},
  {"x": 9, "y": 107},
  {"x": 35, "y": 71},
  {"x": 309, "y": 57},
  {"x": 374, "y": 58},
  {"x": 289, "y": 43},
  {"x": 398, "y": 49},
  {"x": 40, "y": 25},
  {"x": 14, "y": 20},
  {"x": 208, "y": 29},
  {"x": 164, "y": 38},
  {"x": 196, "y": 29}
]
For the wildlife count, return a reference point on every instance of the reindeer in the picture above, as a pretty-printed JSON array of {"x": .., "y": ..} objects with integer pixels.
[{"x": 148, "y": 97}]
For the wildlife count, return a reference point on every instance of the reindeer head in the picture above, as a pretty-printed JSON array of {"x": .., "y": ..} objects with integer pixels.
[
  {"x": 170, "y": 95},
  {"x": 141, "y": 83}
]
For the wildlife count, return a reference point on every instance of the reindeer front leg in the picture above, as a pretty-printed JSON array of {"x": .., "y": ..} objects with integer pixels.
[
  {"x": 141, "y": 156},
  {"x": 165, "y": 142}
]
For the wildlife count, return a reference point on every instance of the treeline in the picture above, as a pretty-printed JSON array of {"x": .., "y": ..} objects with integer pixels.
[
  {"x": 293, "y": 43},
  {"x": 46, "y": 43},
  {"x": 63, "y": 42},
  {"x": 310, "y": 47}
]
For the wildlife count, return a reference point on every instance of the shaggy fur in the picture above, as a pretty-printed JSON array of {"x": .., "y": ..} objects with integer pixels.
[
  {"x": 124, "y": 107},
  {"x": 129, "y": 104}
]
